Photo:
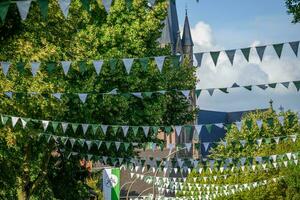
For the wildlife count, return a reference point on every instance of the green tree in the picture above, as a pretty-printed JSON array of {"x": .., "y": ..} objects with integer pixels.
[
  {"x": 30, "y": 166},
  {"x": 285, "y": 188},
  {"x": 293, "y": 7}
]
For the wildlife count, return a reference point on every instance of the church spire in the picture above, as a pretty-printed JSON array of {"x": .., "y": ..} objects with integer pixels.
[{"x": 187, "y": 36}]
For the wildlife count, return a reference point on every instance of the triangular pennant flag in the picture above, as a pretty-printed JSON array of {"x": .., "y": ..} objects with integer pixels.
[
  {"x": 82, "y": 97},
  {"x": 224, "y": 90},
  {"x": 220, "y": 125},
  {"x": 188, "y": 146},
  {"x": 43, "y": 4},
  {"x": 34, "y": 68},
  {"x": 259, "y": 123},
  {"x": 72, "y": 141},
  {"x": 57, "y": 95},
  {"x": 248, "y": 87},
  {"x": 74, "y": 127},
  {"x": 297, "y": 85},
  {"x": 285, "y": 84},
  {"x": 186, "y": 93},
  {"x": 104, "y": 128},
  {"x": 107, "y": 145},
  {"x": 9, "y": 94},
  {"x": 86, "y": 4},
  {"x": 107, "y": 5},
  {"x": 293, "y": 137},
  {"x": 230, "y": 54},
  {"x": 276, "y": 139},
  {"x": 64, "y": 6},
  {"x": 260, "y": 51},
  {"x": 88, "y": 144},
  {"x": 198, "y": 92},
  {"x": 146, "y": 130},
  {"x": 14, "y": 121},
  {"x": 198, "y": 129},
  {"x": 281, "y": 120},
  {"x": 272, "y": 85},
  {"x": 211, "y": 91},
  {"x": 5, "y": 67},
  {"x": 45, "y": 124},
  {"x": 98, "y": 66},
  {"x": 144, "y": 63},
  {"x": 128, "y": 64},
  {"x": 160, "y": 62},
  {"x": 54, "y": 125},
  {"x": 206, "y": 145},
  {"x": 24, "y": 122},
  {"x": 246, "y": 53},
  {"x": 263, "y": 87},
  {"x": 239, "y": 125},
  {"x": 259, "y": 141},
  {"x": 66, "y": 66},
  {"x": 64, "y": 126},
  {"x": 295, "y": 47},
  {"x": 199, "y": 57},
  {"x": 209, "y": 127},
  {"x": 3, "y": 9},
  {"x": 278, "y": 49},
  {"x": 215, "y": 56},
  {"x": 178, "y": 130},
  {"x": 117, "y": 144},
  {"x": 95, "y": 128},
  {"x": 137, "y": 94},
  {"x": 23, "y": 7},
  {"x": 85, "y": 128},
  {"x": 125, "y": 130},
  {"x": 243, "y": 142}
]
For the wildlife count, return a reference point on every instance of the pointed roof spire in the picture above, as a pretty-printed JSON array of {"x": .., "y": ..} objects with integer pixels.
[
  {"x": 178, "y": 44},
  {"x": 187, "y": 36}
]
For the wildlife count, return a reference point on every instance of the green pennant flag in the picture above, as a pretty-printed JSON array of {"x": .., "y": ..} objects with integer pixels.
[
  {"x": 98, "y": 143},
  {"x": 86, "y": 4},
  {"x": 224, "y": 90},
  {"x": 51, "y": 66},
  {"x": 272, "y": 85},
  {"x": 215, "y": 56},
  {"x": 248, "y": 87},
  {"x": 297, "y": 85},
  {"x": 107, "y": 144},
  {"x": 188, "y": 129},
  {"x": 43, "y": 4},
  {"x": 246, "y": 53},
  {"x": 144, "y": 62},
  {"x": 82, "y": 67},
  {"x": 74, "y": 127},
  {"x": 54, "y": 125},
  {"x": 115, "y": 129},
  {"x": 21, "y": 67},
  {"x": 175, "y": 60},
  {"x": 64, "y": 140},
  {"x": 95, "y": 128},
  {"x": 3, "y": 9},
  {"x": 197, "y": 93},
  {"x": 268, "y": 140},
  {"x": 4, "y": 119},
  {"x": 249, "y": 124},
  {"x": 112, "y": 64},
  {"x": 168, "y": 129},
  {"x": 209, "y": 127},
  {"x": 135, "y": 130},
  {"x": 80, "y": 142},
  {"x": 126, "y": 145},
  {"x": 147, "y": 94},
  {"x": 270, "y": 122},
  {"x": 155, "y": 129},
  {"x": 278, "y": 49}
]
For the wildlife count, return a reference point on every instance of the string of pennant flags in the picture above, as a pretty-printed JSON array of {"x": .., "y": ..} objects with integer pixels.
[
  {"x": 48, "y": 125},
  {"x": 128, "y": 62},
  {"x": 24, "y": 6},
  {"x": 119, "y": 146},
  {"x": 83, "y": 97},
  {"x": 188, "y": 164}
]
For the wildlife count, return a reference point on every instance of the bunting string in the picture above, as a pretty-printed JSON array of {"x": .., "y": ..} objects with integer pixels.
[
  {"x": 128, "y": 63},
  {"x": 48, "y": 125}
]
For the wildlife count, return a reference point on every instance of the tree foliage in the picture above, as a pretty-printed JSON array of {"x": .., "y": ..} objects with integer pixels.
[
  {"x": 293, "y": 7},
  {"x": 33, "y": 168},
  {"x": 288, "y": 185}
]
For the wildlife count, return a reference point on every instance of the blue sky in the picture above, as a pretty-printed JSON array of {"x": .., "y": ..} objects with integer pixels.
[{"x": 227, "y": 24}]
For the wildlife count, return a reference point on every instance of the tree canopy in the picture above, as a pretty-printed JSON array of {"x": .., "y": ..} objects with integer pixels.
[
  {"x": 293, "y": 7},
  {"x": 32, "y": 167}
]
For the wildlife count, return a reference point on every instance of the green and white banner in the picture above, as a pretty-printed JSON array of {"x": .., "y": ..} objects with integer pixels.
[{"x": 111, "y": 184}]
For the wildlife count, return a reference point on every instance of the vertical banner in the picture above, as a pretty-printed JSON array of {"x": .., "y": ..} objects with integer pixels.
[{"x": 111, "y": 184}]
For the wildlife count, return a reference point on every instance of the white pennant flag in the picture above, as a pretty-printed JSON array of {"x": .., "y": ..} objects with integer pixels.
[
  {"x": 259, "y": 123},
  {"x": 125, "y": 130},
  {"x": 160, "y": 62},
  {"x": 276, "y": 139},
  {"x": 23, "y": 7},
  {"x": 281, "y": 120},
  {"x": 64, "y": 126},
  {"x": 293, "y": 137},
  {"x": 64, "y": 6},
  {"x": 98, "y": 66},
  {"x": 34, "y": 68},
  {"x": 117, "y": 145},
  {"x": 188, "y": 146},
  {"x": 84, "y": 128},
  {"x": 45, "y": 124},
  {"x": 88, "y": 144},
  {"x": 186, "y": 93},
  {"x": 66, "y": 66},
  {"x": 9, "y": 94},
  {"x": 24, "y": 122},
  {"x": 57, "y": 95},
  {"x": 146, "y": 130},
  {"x": 14, "y": 120},
  {"x": 205, "y": 144},
  {"x": 243, "y": 142},
  {"x": 178, "y": 130},
  {"x": 239, "y": 125},
  {"x": 220, "y": 125},
  {"x": 198, "y": 129},
  {"x": 107, "y": 5},
  {"x": 82, "y": 97},
  {"x": 274, "y": 157},
  {"x": 128, "y": 64},
  {"x": 259, "y": 141},
  {"x": 104, "y": 128},
  {"x": 289, "y": 155},
  {"x": 5, "y": 67},
  {"x": 137, "y": 94}
]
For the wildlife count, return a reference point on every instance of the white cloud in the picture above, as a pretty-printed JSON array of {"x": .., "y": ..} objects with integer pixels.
[{"x": 202, "y": 36}]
